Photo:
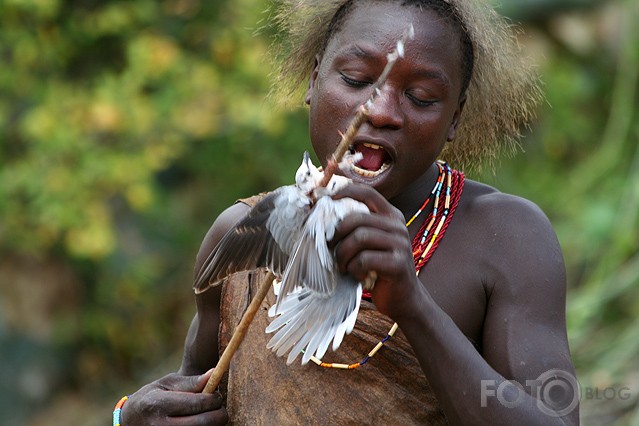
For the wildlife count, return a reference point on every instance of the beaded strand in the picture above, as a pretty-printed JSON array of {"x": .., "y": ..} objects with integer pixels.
[
  {"x": 371, "y": 354},
  {"x": 421, "y": 251},
  {"x": 437, "y": 187},
  {"x": 117, "y": 412},
  {"x": 424, "y": 248}
]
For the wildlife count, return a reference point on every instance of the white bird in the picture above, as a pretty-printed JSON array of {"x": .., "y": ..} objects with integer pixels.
[{"x": 288, "y": 233}]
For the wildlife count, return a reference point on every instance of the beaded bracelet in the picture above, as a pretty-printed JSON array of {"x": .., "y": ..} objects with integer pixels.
[{"x": 118, "y": 411}]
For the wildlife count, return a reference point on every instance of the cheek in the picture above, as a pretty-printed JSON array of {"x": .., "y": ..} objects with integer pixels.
[
  {"x": 337, "y": 107},
  {"x": 423, "y": 145},
  {"x": 331, "y": 112},
  {"x": 432, "y": 130}
]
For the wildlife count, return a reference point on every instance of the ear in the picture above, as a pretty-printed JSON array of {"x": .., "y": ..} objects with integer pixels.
[
  {"x": 312, "y": 81},
  {"x": 452, "y": 131}
]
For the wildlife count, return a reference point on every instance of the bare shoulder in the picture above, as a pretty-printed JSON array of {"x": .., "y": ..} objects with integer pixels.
[
  {"x": 225, "y": 221},
  {"x": 504, "y": 215},
  {"x": 517, "y": 238},
  {"x": 505, "y": 211}
]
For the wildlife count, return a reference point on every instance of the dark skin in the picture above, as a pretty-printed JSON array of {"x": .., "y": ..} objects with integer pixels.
[{"x": 490, "y": 303}]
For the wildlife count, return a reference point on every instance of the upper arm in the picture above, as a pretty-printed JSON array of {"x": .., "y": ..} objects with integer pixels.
[
  {"x": 225, "y": 221},
  {"x": 525, "y": 325},
  {"x": 201, "y": 346}
]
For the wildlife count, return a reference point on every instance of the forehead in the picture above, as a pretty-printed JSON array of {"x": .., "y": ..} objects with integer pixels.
[{"x": 381, "y": 24}]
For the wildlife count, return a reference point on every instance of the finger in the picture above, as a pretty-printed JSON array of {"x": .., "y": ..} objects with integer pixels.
[
  {"x": 182, "y": 395},
  {"x": 186, "y": 403},
  {"x": 203, "y": 379},
  {"x": 384, "y": 223},
  {"x": 375, "y": 202},
  {"x": 217, "y": 417},
  {"x": 351, "y": 222},
  {"x": 180, "y": 383},
  {"x": 366, "y": 239},
  {"x": 387, "y": 265},
  {"x": 361, "y": 220}
]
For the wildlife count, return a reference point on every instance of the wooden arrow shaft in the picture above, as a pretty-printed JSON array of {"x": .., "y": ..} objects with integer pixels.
[{"x": 239, "y": 334}]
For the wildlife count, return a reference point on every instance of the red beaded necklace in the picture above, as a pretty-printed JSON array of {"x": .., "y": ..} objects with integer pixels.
[
  {"x": 425, "y": 242},
  {"x": 424, "y": 246}
]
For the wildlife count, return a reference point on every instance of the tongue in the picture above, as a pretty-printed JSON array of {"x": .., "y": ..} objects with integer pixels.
[{"x": 373, "y": 158}]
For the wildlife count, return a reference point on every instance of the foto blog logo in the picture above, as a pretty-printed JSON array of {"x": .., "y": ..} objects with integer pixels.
[{"x": 556, "y": 392}]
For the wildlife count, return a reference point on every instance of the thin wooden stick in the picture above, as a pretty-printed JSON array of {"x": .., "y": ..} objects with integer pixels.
[
  {"x": 347, "y": 138},
  {"x": 239, "y": 334}
]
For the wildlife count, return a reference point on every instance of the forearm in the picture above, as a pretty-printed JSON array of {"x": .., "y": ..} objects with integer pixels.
[
  {"x": 455, "y": 371},
  {"x": 178, "y": 397},
  {"x": 201, "y": 343},
  {"x": 200, "y": 349}
]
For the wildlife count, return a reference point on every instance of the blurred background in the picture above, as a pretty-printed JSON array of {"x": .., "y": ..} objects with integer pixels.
[{"x": 126, "y": 127}]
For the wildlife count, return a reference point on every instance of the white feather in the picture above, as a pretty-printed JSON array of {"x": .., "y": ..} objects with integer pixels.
[{"x": 311, "y": 321}]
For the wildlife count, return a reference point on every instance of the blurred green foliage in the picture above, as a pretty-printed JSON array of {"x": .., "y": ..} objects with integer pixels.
[
  {"x": 581, "y": 164},
  {"x": 126, "y": 127}
]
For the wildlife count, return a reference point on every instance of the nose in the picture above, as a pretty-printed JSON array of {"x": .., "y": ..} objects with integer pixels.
[{"x": 386, "y": 109}]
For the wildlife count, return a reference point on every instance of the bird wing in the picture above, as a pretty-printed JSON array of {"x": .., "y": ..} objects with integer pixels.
[
  {"x": 266, "y": 236},
  {"x": 312, "y": 264},
  {"x": 309, "y": 320},
  {"x": 316, "y": 303}
]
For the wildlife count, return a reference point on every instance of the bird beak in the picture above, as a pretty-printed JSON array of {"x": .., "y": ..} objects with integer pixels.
[{"x": 307, "y": 158}]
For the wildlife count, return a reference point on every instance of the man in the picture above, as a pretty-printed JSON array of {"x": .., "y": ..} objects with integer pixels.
[{"x": 489, "y": 305}]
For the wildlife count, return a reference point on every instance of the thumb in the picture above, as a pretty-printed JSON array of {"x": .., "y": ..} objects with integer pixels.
[
  {"x": 180, "y": 383},
  {"x": 202, "y": 380}
]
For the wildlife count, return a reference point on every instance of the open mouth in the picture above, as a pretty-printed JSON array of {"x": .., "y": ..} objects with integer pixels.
[{"x": 375, "y": 160}]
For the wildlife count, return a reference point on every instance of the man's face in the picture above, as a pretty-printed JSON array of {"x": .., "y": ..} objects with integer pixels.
[{"x": 418, "y": 108}]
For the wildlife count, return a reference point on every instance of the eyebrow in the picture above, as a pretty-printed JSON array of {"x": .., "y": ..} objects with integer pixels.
[
  {"x": 357, "y": 51},
  {"x": 434, "y": 74},
  {"x": 360, "y": 52}
]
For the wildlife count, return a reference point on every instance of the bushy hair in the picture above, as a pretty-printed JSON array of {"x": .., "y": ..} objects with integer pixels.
[{"x": 502, "y": 88}]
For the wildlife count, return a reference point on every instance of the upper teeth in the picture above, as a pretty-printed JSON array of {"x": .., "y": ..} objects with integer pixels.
[
  {"x": 371, "y": 145},
  {"x": 370, "y": 173}
]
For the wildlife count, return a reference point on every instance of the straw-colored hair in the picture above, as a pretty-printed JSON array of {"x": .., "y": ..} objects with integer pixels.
[{"x": 501, "y": 97}]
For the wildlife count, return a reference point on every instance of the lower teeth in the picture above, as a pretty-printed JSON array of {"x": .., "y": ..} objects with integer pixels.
[{"x": 370, "y": 173}]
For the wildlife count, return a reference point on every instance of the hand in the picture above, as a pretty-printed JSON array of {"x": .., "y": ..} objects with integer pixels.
[
  {"x": 175, "y": 400},
  {"x": 377, "y": 242}
]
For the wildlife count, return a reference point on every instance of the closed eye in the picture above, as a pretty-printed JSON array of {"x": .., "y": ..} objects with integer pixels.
[
  {"x": 419, "y": 102},
  {"x": 352, "y": 82}
]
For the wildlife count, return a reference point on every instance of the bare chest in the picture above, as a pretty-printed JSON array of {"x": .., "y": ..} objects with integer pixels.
[{"x": 456, "y": 278}]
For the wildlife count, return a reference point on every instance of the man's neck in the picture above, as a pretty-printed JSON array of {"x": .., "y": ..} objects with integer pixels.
[{"x": 414, "y": 195}]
